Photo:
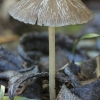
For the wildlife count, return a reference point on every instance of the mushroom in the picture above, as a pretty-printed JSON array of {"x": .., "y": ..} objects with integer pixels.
[{"x": 51, "y": 13}]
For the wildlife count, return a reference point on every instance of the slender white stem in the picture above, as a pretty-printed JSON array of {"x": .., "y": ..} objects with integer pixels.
[{"x": 52, "y": 91}]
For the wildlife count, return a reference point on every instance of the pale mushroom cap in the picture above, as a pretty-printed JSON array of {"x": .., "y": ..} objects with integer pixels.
[{"x": 52, "y": 13}]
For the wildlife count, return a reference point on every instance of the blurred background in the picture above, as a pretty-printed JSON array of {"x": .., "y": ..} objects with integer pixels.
[{"x": 12, "y": 30}]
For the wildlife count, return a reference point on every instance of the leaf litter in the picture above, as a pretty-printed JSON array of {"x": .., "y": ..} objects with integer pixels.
[{"x": 28, "y": 81}]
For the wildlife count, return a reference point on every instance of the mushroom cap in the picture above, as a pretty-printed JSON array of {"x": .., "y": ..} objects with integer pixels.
[{"x": 52, "y": 13}]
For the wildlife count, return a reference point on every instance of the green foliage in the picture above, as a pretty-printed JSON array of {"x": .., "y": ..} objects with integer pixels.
[
  {"x": 18, "y": 98},
  {"x": 86, "y": 36},
  {"x": 70, "y": 29}
]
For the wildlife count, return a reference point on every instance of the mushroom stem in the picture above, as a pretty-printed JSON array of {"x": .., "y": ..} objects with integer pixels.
[{"x": 52, "y": 91}]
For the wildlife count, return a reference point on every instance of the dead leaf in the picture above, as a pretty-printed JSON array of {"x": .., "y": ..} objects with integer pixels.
[
  {"x": 65, "y": 94},
  {"x": 89, "y": 91}
]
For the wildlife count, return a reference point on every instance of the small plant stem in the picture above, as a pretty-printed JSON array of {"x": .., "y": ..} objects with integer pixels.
[
  {"x": 98, "y": 66},
  {"x": 52, "y": 91}
]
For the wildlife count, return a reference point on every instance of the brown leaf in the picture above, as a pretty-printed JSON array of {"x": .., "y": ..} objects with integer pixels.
[{"x": 6, "y": 39}]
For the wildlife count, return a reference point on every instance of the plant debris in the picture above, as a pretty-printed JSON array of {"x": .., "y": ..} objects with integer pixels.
[
  {"x": 30, "y": 79},
  {"x": 73, "y": 78},
  {"x": 74, "y": 68},
  {"x": 88, "y": 92},
  {"x": 65, "y": 94},
  {"x": 16, "y": 79},
  {"x": 8, "y": 61},
  {"x": 88, "y": 68},
  {"x": 34, "y": 45}
]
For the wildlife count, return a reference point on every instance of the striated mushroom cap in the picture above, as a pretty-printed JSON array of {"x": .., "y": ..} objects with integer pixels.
[{"x": 52, "y": 13}]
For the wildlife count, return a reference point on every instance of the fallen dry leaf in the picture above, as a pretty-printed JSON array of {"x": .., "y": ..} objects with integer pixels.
[{"x": 65, "y": 94}]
